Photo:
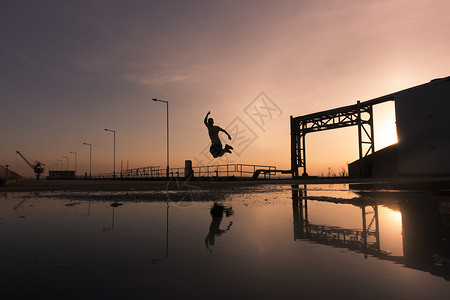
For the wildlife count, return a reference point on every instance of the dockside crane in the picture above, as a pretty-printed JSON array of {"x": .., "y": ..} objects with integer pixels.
[{"x": 36, "y": 165}]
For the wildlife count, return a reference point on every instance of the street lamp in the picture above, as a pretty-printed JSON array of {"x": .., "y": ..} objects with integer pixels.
[
  {"x": 61, "y": 163},
  {"x": 167, "y": 112},
  {"x": 75, "y": 168},
  {"x": 90, "y": 159},
  {"x": 67, "y": 166},
  {"x": 114, "y": 171}
]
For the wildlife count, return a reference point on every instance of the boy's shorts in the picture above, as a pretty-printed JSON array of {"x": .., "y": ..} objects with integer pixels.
[{"x": 215, "y": 150}]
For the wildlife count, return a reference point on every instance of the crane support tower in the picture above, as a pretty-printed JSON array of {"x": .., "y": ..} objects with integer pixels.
[{"x": 36, "y": 165}]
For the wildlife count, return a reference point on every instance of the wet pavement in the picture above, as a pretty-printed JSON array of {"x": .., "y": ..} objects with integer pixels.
[{"x": 261, "y": 242}]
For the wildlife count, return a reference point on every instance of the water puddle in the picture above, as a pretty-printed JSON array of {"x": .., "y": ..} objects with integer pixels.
[{"x": 263, "y": 242}]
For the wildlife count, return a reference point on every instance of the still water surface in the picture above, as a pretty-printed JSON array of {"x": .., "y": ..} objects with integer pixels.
[{"x": 265, "y": 242}]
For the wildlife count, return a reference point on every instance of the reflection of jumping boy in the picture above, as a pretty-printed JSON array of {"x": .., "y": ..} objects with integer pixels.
[
  {"x": 217, "y": 212},
  {"x": 216, "y": 145}
]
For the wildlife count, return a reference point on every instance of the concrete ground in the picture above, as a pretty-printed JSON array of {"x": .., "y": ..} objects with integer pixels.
[{"x": 428, "y": 183}]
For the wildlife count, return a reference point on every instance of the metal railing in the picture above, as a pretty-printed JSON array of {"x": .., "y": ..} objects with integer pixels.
[
  {"x": 226, "y": 170},
  {"x": 144, "y": 172},
  {"x": 245, "y": 169},
  {"x": 215, "y": 170}
]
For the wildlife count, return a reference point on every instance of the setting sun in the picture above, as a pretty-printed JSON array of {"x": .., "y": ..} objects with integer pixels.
[{"x": 384, "y": 125}]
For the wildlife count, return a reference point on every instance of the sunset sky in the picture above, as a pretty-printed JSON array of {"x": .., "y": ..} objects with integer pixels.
[{"x": 70, "y": 69}]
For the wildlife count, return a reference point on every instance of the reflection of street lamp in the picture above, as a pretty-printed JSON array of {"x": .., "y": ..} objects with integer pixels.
[
  {"x": 167, "y": 147},
  {"x": 90, "y": 158},
  {"x": 67, "y": 166},
  {"x": 114, "y": 171},
  {"x": 113, "y": 205},
  {"x": 75, "y": 168},
  {"x": 156, "y": 260},
  {"x": 167, "y": 230},
  {"x": 6, "y": 179}
]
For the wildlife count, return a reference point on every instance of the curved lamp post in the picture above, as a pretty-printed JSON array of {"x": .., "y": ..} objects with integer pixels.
[
  {"x": 75, "y": 168},
  {"x": 114, "y": 164},
  {"x": 90, "y": 159},
  {"x": 167, "y": 147},
  {"x": 67, "y": 165}
]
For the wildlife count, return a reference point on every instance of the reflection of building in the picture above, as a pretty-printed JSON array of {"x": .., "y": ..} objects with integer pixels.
[
  {"x": 425, "y": 229},
  {"x": 422, "y": 129},
  {"x": 426, "y": 235}
]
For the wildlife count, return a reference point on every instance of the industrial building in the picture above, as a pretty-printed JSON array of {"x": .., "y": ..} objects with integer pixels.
[{"x": 423, "y": 132}]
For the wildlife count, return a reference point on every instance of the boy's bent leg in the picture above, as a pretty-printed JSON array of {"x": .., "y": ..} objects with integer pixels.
[{"x": 216, "y": 150}]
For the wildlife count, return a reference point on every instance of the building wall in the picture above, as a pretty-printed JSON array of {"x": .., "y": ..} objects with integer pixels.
[
  {"x": 381, "y": 164},
  {"x": 423, "y": 129}
]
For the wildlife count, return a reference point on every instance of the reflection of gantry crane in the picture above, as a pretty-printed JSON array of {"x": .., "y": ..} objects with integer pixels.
[
  {"x": 365, "y": 240},
  {"x": 36, "y": 166}
]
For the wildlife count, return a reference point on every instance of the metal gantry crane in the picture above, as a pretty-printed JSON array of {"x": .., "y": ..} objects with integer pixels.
[{"x": 36, "y": 165}]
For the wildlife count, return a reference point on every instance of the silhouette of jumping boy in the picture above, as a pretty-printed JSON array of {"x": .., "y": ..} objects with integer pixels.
[
  {"x": 216, "y": 145},
  {"x": 217, "y": 211}
]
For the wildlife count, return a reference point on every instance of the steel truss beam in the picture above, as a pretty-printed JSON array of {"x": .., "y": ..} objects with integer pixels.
[{"x": 360, "y": 114}]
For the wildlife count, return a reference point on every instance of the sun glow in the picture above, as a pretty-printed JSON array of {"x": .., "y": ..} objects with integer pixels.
[
  {"x": 391, "y": 230},
  {"x": 385, "y": 130}
]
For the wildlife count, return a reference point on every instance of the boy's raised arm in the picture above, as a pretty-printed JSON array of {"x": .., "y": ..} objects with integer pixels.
[{"x": 206, "y": 118}]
